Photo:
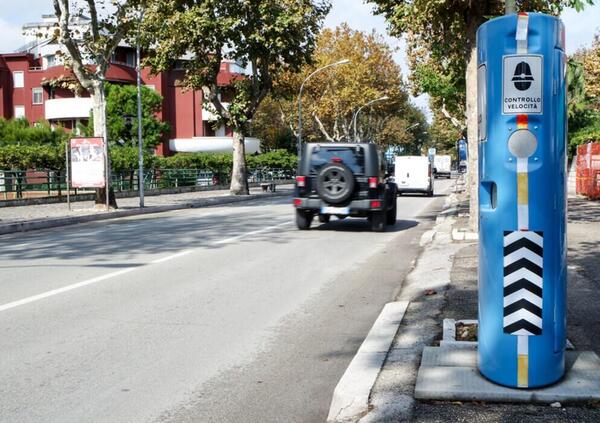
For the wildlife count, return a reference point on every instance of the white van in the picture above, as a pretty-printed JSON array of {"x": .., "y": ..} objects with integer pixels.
[
  {"x": 413, "y": 174},
  {"x": 442, "y": 166}
]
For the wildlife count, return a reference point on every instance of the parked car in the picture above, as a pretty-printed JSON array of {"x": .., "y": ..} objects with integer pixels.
[
  {"x": 413, "y": 174},
  {"x": 442, "y": 166},
  {"x": 205, "y": 179},
  {"x": 342, "y": 180}
]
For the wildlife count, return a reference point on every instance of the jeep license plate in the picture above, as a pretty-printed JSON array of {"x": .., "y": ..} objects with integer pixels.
[{"x": 335, "y": 210}]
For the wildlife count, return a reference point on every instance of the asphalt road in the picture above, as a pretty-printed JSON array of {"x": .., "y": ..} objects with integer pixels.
[{"x": 224, "y": 314}]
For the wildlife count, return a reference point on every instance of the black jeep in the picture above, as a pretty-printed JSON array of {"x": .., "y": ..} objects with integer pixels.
[{"x": 344, "y": 180}]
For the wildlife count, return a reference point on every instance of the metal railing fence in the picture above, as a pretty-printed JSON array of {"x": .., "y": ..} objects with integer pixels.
[{"x": 18, "y": 184}]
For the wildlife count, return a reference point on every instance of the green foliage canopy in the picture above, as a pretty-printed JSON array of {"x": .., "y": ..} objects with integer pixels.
[
  {"x": 121, "y": 108},
  {"x": 440, "y": 36},
  {"x": 268, "y": 36},
  {"x": 27, "y": 147}
]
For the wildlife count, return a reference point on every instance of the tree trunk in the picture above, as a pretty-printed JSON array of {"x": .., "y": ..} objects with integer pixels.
[
  {"x": 239, "y": 175},
  {"x": 472, "y": 142},
  {"x": 98, "y": 105}
]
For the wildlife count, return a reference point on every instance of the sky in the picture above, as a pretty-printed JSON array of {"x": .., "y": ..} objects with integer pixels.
[{"x": 580, "y": 27}]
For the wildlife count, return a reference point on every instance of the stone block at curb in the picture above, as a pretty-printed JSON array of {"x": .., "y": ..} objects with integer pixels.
[
  {"x": 449, "y": 334},
  {"x": 464, "y": 235},
  {"x": 426, "y": 238},
  {"x": 32, "y": 225},
  {"x": 351, "y": 395},
  {"x": 451, "y": 374}
]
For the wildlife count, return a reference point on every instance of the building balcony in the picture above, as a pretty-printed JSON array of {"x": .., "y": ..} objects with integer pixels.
[
  {"x": 211, "y": 145},
  {"x": 68, "y": 108},
  {"x": 209, "y": 116}
]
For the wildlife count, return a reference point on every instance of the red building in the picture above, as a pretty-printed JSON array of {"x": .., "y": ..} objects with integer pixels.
[{"x": 34, "y": 84}]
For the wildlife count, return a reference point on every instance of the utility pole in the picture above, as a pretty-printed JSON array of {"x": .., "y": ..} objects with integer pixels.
[{"x": 139, "y": 116}]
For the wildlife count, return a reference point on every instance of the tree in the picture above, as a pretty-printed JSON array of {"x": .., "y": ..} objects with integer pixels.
[
  {"x": 444, "y": 135},
  {"x": 268, "y": 36},
  {"x": 591, "y": 71},
  {"x": 89, "y": 47},
  {"x": 24, "y": 147},
  {"x": 583, "y": 77},
  {"x": 121, "y": 117},
  {"x": 271, "y": 127},
  {"x": 19, "y": 132},
  {"x": 333, "y": 97},
  {"x": 442, "y": 37}
]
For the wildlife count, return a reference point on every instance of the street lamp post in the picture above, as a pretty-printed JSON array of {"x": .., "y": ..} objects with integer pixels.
[
  {"x": 139, "y": 115},
  {"x": 410, "y": 127},
  {"x": 341, "y": 62},
  {"x": 354, "y": 119}
]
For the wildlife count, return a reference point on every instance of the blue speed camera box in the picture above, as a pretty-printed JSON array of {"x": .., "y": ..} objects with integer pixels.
[{"x": 522, "y": 199}]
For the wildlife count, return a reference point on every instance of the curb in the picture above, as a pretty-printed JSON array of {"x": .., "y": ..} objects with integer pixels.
[
  {"x": 32, "y": 225},
  {"x": 351, "y": 395},
  {"x": 392, "y": 396}
]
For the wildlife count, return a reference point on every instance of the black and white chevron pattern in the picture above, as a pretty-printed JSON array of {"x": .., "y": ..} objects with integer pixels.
[{"x": 523, "y": 277}]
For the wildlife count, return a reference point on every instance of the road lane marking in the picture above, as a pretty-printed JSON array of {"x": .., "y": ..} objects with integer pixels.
[
  {"x": 238, "y": 237},
  {"x": 64, "y": 289},
  {"x": 172, "y": 256},
  {"x": 47, "y": 294}
]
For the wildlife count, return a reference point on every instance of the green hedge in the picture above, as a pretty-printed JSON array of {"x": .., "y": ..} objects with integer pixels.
[
  {"x": 124, "y": 159},
  {"x": 222, "y": 163},
  {"x": 22, "y": 157},
  {"x": 20, "y": 132},
  {"x": 587, "y": 134}
]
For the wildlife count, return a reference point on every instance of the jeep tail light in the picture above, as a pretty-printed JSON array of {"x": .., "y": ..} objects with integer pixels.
[
  {"x": 373, "y": 182},
  {"x": 301, "y": 181},
  {"x": 297, "y": 202},
  {"x": 375, "y": 204}
]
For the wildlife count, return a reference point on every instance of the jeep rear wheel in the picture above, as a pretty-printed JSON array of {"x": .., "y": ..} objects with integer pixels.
[
  {"x": 303, "y": 219},
  {"x": 391, "y": 213},
  {"x": 335, "y": 183},
  {"x": 378, "y": 219}
]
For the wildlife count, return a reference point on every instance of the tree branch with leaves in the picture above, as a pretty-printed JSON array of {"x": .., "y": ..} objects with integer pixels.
[
  {"x": 265, "y": 36},
  {"x": 89, "y": 44},
  {"x": 441, "y": 37}
]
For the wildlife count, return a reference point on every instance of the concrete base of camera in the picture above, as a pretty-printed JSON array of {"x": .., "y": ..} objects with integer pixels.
[{"x": 450, "y": 373}]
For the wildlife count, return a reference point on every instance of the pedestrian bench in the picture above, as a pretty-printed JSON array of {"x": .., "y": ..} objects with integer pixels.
[{"x": 268, "y": 186}]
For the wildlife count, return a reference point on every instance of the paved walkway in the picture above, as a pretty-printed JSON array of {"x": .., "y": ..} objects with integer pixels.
[
  {"x": 583, "y": 322},
  {"x": 84, "y": 208}
]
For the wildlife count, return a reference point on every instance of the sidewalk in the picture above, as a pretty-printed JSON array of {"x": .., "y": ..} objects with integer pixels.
[
  {"x": 433, "y": 299},
  {"x": 25, "y": 218}
]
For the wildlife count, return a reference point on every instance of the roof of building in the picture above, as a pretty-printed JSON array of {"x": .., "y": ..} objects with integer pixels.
[{"x": 115, "y": 73}]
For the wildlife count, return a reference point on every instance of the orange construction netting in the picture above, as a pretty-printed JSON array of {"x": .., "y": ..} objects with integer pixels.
[{"x": 588, "y": 170}]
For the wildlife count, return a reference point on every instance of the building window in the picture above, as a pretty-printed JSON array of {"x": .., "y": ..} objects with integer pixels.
[
  {"x": 51, "y": 60},
  {"x": 18, "y": 79},
  {"x": 19, "y": 112},
  {"x": 130, "y": 59},
  {"x": 38, "y": 96}
]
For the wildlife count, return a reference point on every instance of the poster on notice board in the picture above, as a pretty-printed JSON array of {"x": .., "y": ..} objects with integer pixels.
[{"x": 87, "y": 163}]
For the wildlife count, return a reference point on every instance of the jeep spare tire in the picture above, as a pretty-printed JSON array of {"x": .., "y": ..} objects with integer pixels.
[{"x": 335, "y": 183}]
